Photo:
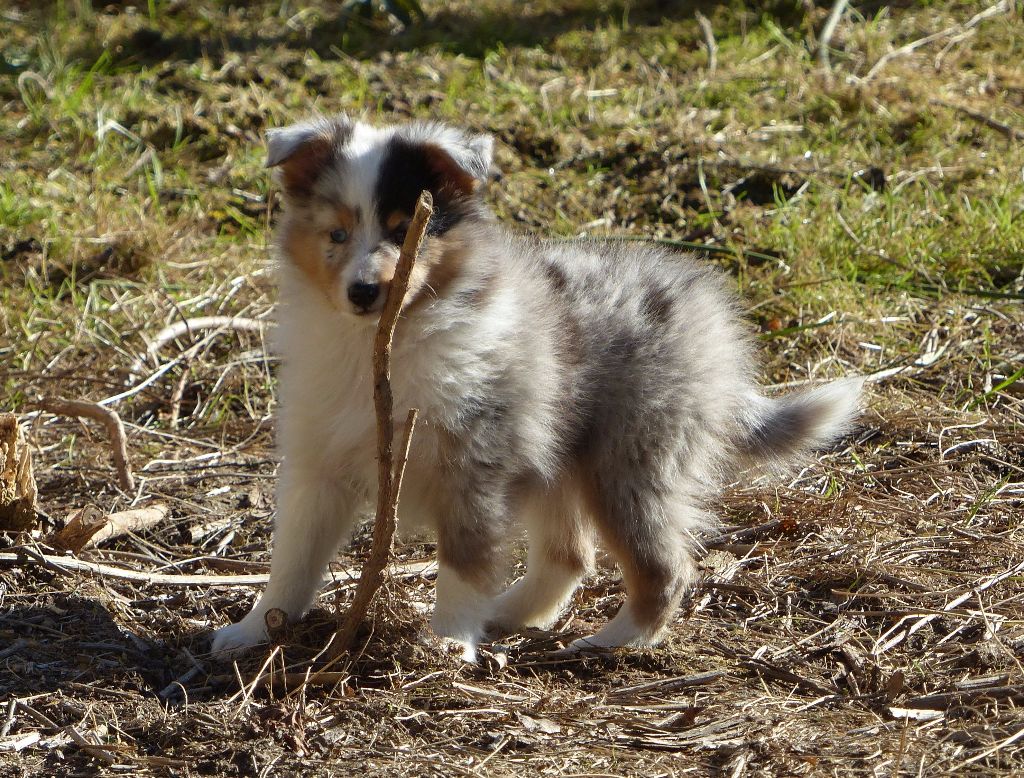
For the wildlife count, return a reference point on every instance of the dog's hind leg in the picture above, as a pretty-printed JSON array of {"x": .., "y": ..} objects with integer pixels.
[
  {"x": 560, "y": 553},
  {"x": 648, "y": 527}
]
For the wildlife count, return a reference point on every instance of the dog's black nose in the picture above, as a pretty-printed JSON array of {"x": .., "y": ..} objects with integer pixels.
[{"x": 363, "y": 295}]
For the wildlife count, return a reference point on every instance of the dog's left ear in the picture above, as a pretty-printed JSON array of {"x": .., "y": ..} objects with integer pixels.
[{"x": 460, "y": 161}]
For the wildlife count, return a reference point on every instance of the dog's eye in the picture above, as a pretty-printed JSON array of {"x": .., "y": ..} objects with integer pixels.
[
  {"x": 339, "y": 236},
  {"x": 398, "y": 234}
]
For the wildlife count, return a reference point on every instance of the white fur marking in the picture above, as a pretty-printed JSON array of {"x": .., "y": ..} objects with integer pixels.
[
  {"x": 461, "y": 611},
  {"x": 622, "y": 630}
]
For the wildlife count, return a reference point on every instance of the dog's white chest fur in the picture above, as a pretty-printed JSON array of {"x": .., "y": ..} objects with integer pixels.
[{"x": 327, "y": 421}]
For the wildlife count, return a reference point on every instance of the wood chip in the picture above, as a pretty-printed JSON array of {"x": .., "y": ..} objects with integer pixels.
[
  {"x": 17, "y": 483},
  {"x": 87, "y": 527}
]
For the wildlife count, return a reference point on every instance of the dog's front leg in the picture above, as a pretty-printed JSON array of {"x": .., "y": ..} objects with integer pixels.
[
  {"x": 470, "y": 562},
  {"x": 315, "y": 513}
]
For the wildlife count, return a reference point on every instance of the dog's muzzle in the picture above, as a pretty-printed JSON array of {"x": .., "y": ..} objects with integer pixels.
[{"x": 363, "y": 296}]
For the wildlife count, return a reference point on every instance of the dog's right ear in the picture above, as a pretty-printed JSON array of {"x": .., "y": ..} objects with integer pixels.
[{"x": 303, "y": 150}]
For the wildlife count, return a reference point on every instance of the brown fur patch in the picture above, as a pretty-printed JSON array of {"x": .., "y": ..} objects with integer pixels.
[
  {"x": 455, "y": 178},
  {"x": 440, "y": 263},
  {"x": 652, "y": 596},
  {"x": 304, "y": 249},
  {"x": 571, "y": 546},
  {"x": 459, "y": 549},
  {"x": 396, "y": 219},
  {"x": 448, "y": 266},
  {"x": 568, "y": 536},
  {"x": 300, "y": 171},
  {"x": 348, "y": 218}
]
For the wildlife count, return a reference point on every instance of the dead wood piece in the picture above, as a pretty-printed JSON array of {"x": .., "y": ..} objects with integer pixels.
[
  {"x": 389, "y": 476},
  {"x": 665, "y": 685},
  {"x": 81, "y": 526},
  {"x": 93, "y": 749},
  {"x": 1001, "y": 127},
  {"x": 286, "y": 681},
  {"x": 709, "y": 41},
  {"x": 62, "y": 564},
  {"x": 780, "y": 674},
  {"x": 945, "y": 700},
  {"x": 126, "y": 522},
  {"x": 187, "y": 326},
  {"x": 88, "y": 527},
  {"x": 17, "y": 484},
  {"x": 276, "y": 620},
  {"x": 105, "y": 416}
]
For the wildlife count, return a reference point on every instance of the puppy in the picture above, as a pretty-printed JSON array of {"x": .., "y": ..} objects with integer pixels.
[{"x": 589, "y": 390}]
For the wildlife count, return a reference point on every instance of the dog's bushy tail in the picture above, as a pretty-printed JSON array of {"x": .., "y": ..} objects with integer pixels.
[{"x": 777, "y": 430}]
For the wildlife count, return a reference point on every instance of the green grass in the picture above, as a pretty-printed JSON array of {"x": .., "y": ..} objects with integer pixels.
[{"x": 119, "y": 140}]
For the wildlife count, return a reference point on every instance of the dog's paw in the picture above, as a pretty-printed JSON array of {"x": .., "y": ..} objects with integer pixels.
[
  {"x": 237, "y": 638},
  {"x": 582, "y": 647},
  {"x": 464, "y": 650}
]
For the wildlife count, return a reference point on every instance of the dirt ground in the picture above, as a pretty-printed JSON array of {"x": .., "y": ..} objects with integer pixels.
[{"x": 862, "y": 616}]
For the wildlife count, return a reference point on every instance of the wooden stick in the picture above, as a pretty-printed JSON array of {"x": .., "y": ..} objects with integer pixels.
[
  {"x": 92, "y": 749},
  {"x": 133, "y": 520},
  {"x": 105, "y": 416},
  {"x": 389, "y": 479},
  {"x": 188, "y": 326},
  {"x": 1001, "y": 127},
  {"x": 69, "y": 564}
]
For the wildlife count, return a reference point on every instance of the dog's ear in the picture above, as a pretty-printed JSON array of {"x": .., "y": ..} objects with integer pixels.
[
  {"x": 459, "y": 161},
  {"x": 303, "y": 150}
]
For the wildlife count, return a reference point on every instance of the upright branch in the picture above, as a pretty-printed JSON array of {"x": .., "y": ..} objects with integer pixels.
[
  {"x": 709, "y": 41},
  {"x": 389, "y": 476},
  {"x": 834, "y": 17}
]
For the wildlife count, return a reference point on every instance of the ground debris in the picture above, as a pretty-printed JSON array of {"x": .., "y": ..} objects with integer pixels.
[{"x": 17, "y": 482}]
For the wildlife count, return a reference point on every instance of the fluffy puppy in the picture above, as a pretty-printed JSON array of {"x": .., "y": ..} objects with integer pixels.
[{"x": 589, "y": 390}]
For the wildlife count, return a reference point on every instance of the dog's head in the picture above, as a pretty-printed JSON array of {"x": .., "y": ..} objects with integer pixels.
[{"x": 350, "y": 192}]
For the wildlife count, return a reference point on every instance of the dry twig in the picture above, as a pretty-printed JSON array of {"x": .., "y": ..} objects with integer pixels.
[
  {"x": 1005, "y": 129},
  {"x": 389, "y": 475},
  {"x": 709, "y": 41},
  {"x": 836, "y": 14},
  {"x": 67, "y": 564},
  {"x": 105, "y": 416},
  {"x": 92, "y": 749},
  {"x": 222, "y": 323},
  {"x": 1001, "y": 7},
  {"x": 910, "y": 624}
]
